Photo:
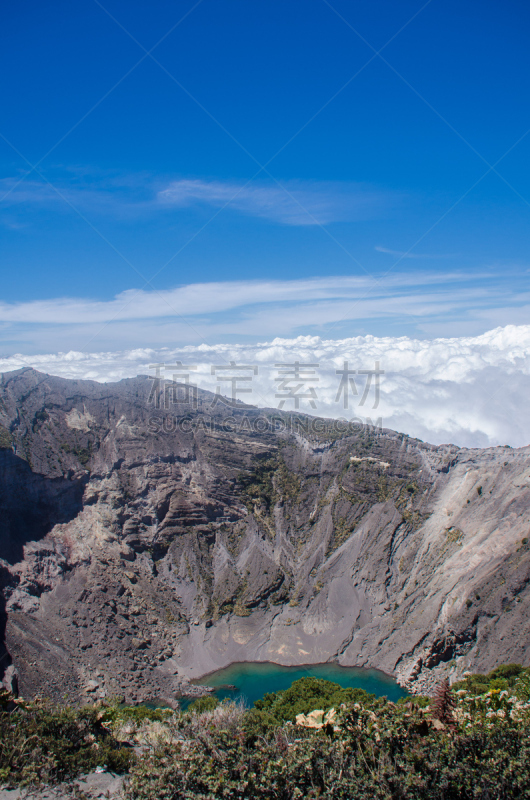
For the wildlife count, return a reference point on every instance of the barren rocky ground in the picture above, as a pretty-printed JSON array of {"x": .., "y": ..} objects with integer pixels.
[
  {"x": 145, "y": 541},
  {"x": 103, "y": 785}
]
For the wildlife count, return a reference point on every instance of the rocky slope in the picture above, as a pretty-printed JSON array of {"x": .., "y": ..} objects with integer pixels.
[{"x": 144, "y": 542}]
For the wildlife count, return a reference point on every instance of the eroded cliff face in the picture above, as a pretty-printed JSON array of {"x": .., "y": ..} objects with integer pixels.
[{"x": 147, "y": 543}]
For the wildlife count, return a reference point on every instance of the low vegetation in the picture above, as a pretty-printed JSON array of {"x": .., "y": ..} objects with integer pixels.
[
  {"x": 506, "y": 677},
  {"x": 471, "y": 740},
  {"x": 43, "y": 744},
  {"x": 307, "y": 694},
  {"x": 270, "y": 481}
]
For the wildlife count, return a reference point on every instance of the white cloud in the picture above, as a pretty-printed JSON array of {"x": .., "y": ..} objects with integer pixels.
[
  {"x": 288, "y": 203},
  {"x": 472, "y": 391},
  {"x": 428, "y": 303},
  {"x": 291, "y": 203},
  {"x": 410, "y": 254},
  {"x": 354, "y": 298}
]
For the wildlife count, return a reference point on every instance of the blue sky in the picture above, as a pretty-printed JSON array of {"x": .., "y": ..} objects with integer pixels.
[{"x": 231, "y": 171}]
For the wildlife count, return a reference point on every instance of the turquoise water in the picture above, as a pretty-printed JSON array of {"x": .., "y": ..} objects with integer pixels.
[{"x": 252, "y": 680}]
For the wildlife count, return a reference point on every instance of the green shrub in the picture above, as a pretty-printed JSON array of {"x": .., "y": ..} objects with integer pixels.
[
  {"x": 207, "y": 703},
  {"x": 512, "y": 677},
  {"x": 40, "y": 743},
  {"x": 115, "y": 713},
  {"x": 259, "y": 722},
  {"x": 507, "y": 671},
  {"x": 477, "y": 748},
  {"x": 392, "y": 752},
  {"x": 416, "y": 700},
  {"x": 308, "y": 694},
  {"x": 498, "y": 683}
]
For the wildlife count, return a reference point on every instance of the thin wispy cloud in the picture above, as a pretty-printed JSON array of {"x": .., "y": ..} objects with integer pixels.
[
  {"x": 94, "y": 192},
  {"x": 292, "y": 203},
  {"x": 313, "y": 299},
  {"x": 407, "y": 254},
  {"x": 297, "y": 203},
  {"x": 429, "y": 304}
]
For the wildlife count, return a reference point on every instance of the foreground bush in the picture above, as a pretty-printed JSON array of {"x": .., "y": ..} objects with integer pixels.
[
  {"x": 460, "y": 745},
  {"x": 43, "y": 744},
  {"x": 395, "y": 751}
]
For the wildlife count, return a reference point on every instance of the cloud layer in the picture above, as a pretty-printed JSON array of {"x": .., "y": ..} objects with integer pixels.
[
  {"x": 420, "y": 303},
  {"x": 472, "y": 391}
]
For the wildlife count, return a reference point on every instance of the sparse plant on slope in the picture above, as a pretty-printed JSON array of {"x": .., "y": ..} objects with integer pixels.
[{"x": 443, "y": 705}]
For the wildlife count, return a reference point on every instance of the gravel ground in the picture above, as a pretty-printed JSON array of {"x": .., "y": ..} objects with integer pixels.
[{"x": 90, "y": 787}]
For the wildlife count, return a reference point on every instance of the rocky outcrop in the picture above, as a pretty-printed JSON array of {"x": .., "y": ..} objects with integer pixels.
[{"x": 144, "y": 542}]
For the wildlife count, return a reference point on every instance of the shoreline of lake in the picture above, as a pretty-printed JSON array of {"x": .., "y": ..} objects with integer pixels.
[
  {"x": 198, "y": 681},
  {"x": 251, "y": 680}
]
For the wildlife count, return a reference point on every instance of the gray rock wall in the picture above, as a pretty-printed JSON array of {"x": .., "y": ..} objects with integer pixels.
[{"x": 142, "y": 546}]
